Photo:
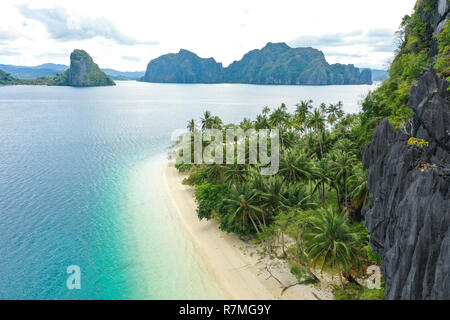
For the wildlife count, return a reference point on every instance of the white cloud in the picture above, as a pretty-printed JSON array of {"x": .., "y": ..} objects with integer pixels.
[
  {"x": 8, "y": 53},
  {"x": 370, "y": 48},
  {"x": 379, "y": 40},
  {"x": 7, "y": 34},
  {"x": 357, "y": 31},
  {"x": 130, "y": 58},
  {"x": 63, "y": 26}
]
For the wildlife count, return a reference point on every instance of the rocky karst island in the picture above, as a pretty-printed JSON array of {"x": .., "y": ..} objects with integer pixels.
[
  {"x": 83, "y": 72},
  {"x": 276, "y": 63}
]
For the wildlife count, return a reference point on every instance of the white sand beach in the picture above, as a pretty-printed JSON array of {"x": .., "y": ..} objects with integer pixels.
[{"x": 240, "y": 274}]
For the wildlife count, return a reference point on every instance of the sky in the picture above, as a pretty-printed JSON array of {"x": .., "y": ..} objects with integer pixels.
[{"x": 126, "y": 35}]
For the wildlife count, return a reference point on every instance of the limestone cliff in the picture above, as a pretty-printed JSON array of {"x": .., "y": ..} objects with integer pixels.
[
  {"x": 409, "y": 217},
  {"x": 83, "y": 72},
  {"x": 409, "y": 180}
]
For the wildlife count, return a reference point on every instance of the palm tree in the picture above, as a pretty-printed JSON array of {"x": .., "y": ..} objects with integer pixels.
[
  {"x": 294, "y": 167},
  {"x": 246, "y": 124},
  {"x": 311, "y": 145},
  {"x": 323, "y": 108},
  {"x": 358, "y": 187},
  {"x": 322, "y": 176},
  {"x": 342, "y": 166},
  {"x": 300, "y": 224},
  {"x": 235, "y": 174},
  {"x": 279, "y": 116},
  {"x": 346, "y": 146},
  {"x": 301, "y": 112},
  {"x": 261, "y": 123},
  {"x": 297, "y": 197},
  {"x": 332, "y": 242},
  {"x": 243, "y": 206},
  {"x": 325, "y": 138},
  {"x": 214, "y": 173},
  {"x": 311, "y": 149},
  {"x": 279, "y": 119},
  {"x": 265, "y": 111},
  {"x": 272, "y": 196},
  {"x": 289, "y": 139},
  {"x": 316, "y": 121},
  {"x": 191, "y": 126},
  {"x": 346, "y": 123},
  {"x": 216, "y": 123},
  {"x": 334, "y": 113},
  {"x": 207, "y": 120}
]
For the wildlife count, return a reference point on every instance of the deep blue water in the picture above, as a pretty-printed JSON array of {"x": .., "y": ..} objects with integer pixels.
[{"x": 80, "y": 185}]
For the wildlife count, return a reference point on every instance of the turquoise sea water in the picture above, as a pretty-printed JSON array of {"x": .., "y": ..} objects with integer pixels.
[{"x": 80, "y": 184}]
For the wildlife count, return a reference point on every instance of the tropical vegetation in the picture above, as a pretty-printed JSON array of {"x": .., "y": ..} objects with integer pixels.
[
  {"x": 418, "y": 49},
  {"x": 309, "y": 213}
]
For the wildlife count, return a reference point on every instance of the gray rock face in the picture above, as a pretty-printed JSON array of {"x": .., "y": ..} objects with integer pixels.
[
  {"x": 442, "y": 7},
  {"x": 408, "y": 217},
  {"x": 442, "y": 15}
]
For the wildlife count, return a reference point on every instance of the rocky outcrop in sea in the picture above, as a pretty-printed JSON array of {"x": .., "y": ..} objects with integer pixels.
[{"x": 83, "y": 72}]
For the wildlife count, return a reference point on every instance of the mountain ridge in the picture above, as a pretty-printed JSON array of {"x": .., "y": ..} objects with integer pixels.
[{"x": 275, "y": 63}]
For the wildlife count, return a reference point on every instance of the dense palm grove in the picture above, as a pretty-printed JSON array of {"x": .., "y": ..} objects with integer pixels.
[{"x": 309, "y": 213}]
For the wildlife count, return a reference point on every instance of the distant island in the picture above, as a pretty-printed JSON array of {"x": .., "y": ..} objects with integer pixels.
[
  {"x": 52, "y": 69},
  {"x": 83, "y": 72},
  {"x": 33, "y": 72},
  {"x": 276, "y": 63}
]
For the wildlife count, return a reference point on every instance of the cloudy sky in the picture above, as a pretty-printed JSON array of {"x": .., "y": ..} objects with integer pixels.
[{"x": 125, "y": 35}]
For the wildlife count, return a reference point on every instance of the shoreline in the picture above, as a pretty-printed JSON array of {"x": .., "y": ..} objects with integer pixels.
[{"x": 240, "y": 274}]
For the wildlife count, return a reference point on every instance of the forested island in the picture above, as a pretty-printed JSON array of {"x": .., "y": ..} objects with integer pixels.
[
  {"x": 83, "y": 72},
  {"x": 353, "y": 190},
  {"x": 52, "y": 69},
  {"x": 276, "y": 63}
]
